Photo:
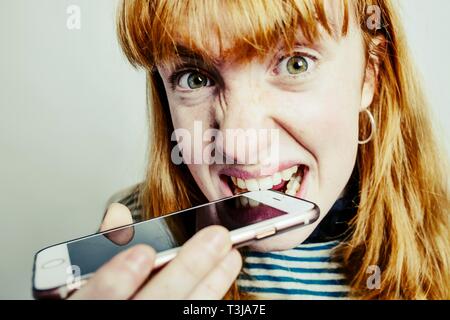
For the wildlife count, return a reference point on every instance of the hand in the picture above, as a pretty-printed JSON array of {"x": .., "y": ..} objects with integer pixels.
[{"x": 204, "y": 268}]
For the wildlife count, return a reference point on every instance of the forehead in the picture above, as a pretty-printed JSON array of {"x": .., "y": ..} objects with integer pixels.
[{"x": 215, "y": 31}]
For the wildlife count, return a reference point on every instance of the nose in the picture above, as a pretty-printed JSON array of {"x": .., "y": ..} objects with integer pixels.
[{"x": 245, "y": 123}]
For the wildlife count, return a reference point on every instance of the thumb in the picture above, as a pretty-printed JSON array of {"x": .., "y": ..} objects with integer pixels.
[{"x": 116, "y": 216}]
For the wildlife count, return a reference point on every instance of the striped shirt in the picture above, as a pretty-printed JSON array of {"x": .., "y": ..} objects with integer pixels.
[{"x": 304, "y": 272}]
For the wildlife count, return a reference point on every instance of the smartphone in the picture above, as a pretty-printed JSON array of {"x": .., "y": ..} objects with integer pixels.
[{"x": 251, "y": 217}]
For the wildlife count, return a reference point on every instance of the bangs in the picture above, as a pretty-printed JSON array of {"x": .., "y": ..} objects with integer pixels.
[{"x": 156, "y": 32}]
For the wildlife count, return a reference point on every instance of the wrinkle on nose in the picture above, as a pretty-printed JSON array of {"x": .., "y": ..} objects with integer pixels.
[
  {"x": 245, "y": 130},
  {"x": 241, "y": 85},
  {"x": 243, "y": 115}
]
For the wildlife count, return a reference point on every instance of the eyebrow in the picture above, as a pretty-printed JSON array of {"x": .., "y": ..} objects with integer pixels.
[
  {"x": 186, "y": 57},
  {"x": 185, "y": 54}
]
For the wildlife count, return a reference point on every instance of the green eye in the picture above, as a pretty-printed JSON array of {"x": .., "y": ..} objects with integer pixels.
[
  {"x": 297, "y": 65},
  {"x": 196, "y": 80},
  {"x": 193, "y": 80}
]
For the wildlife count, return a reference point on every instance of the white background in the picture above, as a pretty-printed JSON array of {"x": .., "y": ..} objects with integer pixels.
[{"x": 73, "y": 124}]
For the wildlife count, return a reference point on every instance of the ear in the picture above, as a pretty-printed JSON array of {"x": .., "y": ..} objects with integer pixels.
[{"x": 376, "y": 50}]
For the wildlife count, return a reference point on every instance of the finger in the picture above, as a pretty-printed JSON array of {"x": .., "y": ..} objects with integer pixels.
[
  {"x": 121, "y": 276},
  {"x": 118, "y": 215},
  {"x": 219, "y": 280},
  {"x": 196, "y": 259}
]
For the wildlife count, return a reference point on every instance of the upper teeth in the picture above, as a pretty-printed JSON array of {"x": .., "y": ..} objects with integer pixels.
[{"x": 268, "y": 182}]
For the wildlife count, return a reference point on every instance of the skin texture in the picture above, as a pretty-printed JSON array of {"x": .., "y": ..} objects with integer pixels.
[
  {"x": 316, "y": 114},
  {"x": 326, "y": 101}
]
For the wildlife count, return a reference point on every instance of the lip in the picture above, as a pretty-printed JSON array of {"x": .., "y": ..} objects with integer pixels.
[{"x": 235, "y": 171}]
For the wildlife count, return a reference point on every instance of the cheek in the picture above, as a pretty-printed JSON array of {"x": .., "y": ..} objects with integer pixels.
[
  {"x": 327, "y": 110},
  {"x": 326, "y": 124},
  {"x": 191, "y": 123},
  {"x": 337, "y": 103},
  {"x": 336, "y": 140},
  {"x": 327, "y": 119},
  {"x": 335, "y": 120}
]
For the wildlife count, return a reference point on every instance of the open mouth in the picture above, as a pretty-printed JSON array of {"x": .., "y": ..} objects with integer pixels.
[{"x": 288, "y": 181}]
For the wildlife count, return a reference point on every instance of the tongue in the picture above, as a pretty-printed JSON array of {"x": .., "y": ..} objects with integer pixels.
[{"x": 279, "y": 186}]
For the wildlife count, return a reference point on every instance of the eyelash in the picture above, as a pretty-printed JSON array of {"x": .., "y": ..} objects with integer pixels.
[
  {"x": 297, "y": 54},
  {"x": 174, "y": 78},
  {"x": 187, "y": 68}
]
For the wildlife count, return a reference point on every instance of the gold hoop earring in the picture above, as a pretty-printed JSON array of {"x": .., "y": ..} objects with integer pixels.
[{"x": 372, "y": 126}]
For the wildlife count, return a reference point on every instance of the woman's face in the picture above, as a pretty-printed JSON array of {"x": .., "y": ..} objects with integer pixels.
[{"x": 311, "y": 99}]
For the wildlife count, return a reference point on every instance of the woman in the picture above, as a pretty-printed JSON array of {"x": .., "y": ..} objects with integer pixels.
[{"x": 335, "y": 80}]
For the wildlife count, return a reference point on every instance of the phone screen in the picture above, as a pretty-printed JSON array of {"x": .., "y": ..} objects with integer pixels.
[{"x": 168, "y": 232}]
